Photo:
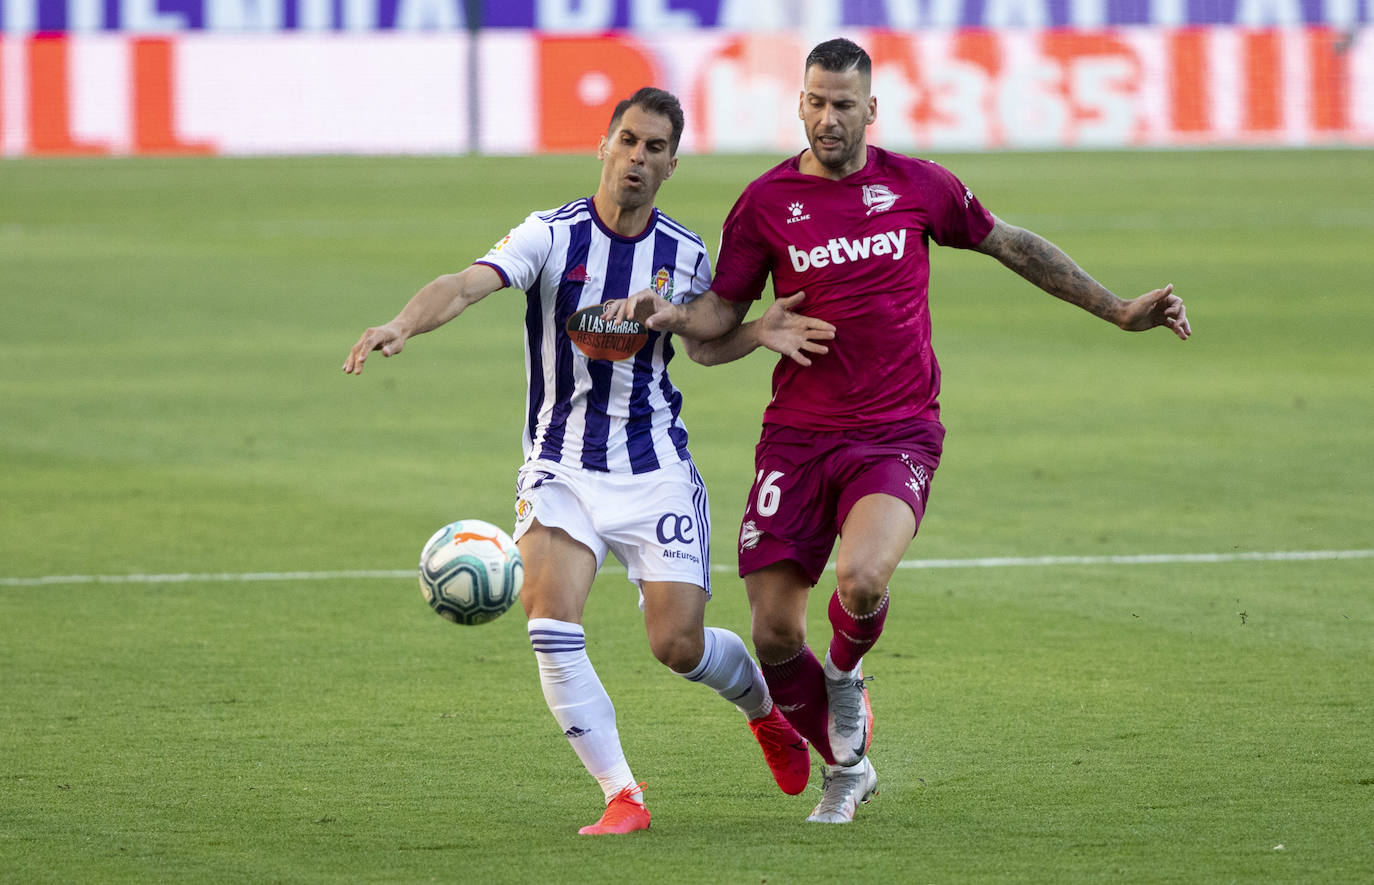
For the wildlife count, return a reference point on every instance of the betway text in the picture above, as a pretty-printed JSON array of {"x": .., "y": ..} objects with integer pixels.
[{"x": 841, "y": 249}]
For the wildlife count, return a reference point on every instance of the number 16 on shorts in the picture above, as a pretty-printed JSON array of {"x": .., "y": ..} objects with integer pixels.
[
  {"x": 767, "y": 494},
  {"x": 765, "y": 498}
]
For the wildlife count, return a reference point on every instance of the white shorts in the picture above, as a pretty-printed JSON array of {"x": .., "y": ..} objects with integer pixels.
[{"x": 657, "y": 524}]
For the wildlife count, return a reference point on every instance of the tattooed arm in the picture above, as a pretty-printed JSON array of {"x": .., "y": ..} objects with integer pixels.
[{"x": 1045, "y": 264}]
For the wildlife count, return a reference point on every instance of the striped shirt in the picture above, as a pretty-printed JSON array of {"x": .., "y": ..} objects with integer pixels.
[{"x": 620, "y": 417}]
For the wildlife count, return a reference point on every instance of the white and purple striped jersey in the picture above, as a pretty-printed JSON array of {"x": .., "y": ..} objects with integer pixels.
[{"x": 619, "y": 417}]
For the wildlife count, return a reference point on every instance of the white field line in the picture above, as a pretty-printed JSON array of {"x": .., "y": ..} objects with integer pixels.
[{"x": 985, "y": 562}]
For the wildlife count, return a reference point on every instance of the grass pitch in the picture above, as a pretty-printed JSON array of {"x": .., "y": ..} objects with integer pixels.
[{"x": 172, "y": 405}]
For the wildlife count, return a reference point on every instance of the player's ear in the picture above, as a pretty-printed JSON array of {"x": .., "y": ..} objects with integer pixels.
[
  {"x": 672, "y": 166},
  {"x": 801, "y": 105},
  {"x": 872, "y": 110},
  {"x": 601, "y": 148}
]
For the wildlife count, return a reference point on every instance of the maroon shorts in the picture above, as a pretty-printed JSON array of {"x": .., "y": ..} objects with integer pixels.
[{"x": 806, "y": 481}]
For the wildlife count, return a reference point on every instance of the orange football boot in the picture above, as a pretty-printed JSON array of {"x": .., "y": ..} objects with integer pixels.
[{"x": 624, "y": 814}]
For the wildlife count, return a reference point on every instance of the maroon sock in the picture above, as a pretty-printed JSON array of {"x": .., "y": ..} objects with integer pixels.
[
  {"x": 798, "y": 688},
  {"x": 854, "y": 634}
]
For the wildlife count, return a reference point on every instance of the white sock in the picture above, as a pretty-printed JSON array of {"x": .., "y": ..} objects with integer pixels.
[
  {"x": 727, "y": 667},
  {"x": 578, "y": 701},
  {"x": 832, "y": 672}
]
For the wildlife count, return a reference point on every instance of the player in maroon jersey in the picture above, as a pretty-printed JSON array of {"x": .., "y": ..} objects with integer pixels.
[{"x": 851, "y": 439}]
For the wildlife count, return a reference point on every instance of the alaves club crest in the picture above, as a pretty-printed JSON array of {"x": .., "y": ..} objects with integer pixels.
[{"x": 878, "y": 198}]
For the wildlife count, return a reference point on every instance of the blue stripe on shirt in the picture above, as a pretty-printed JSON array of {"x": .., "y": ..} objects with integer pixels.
[
  {"x": 566, "y": 211},
  {"x": 565, "y": 305},
  {"x": 619, "y": 268},
  {"x": 679, "y": 229},
  {"x": 534, "y": 333},
  {"x": 640, "y": 428}
]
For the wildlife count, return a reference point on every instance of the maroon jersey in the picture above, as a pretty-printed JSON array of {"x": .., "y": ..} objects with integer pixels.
[{"x": 859, "y": 248}]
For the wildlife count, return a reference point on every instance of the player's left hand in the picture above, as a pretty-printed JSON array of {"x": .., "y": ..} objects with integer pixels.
[
  {"x": 1160, "y": 307},
  {"x": 784, "y": 331}
]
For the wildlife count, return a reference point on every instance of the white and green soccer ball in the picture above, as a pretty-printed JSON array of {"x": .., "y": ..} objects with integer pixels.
[{"x": 470, "y": 572}]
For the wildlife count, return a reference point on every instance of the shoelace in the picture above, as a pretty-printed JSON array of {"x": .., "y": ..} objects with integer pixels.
[
  {"x": 850, "y": 709},
  {"x": 616, "y": 808}
]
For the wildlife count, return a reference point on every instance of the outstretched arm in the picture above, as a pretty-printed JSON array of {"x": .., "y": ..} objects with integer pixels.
[
  {"x": 701, "y": 319},
  {"x": 431, "y": 307},
  {"x": 713, "y": 330},
  {"x": 780, "y": 329},
  {"x": 1045, "y": 264}
]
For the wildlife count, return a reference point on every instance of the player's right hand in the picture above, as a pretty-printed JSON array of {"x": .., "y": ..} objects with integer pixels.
[
  {"x": 643, "y": 306},
  {"x": 388, "y": 339}
]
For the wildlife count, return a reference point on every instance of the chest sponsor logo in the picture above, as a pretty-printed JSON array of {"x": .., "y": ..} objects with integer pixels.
[{"x": 842, "y": 249}]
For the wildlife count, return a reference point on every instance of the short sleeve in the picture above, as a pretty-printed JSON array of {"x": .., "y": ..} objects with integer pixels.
[
  {"x": 957, "y": 218},
  {"x": 701, "y": 278},
  {"x": 743, "y": 264},
  {"x": 520, "y": 255}
]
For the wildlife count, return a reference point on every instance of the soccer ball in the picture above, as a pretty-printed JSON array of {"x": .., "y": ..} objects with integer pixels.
[{"x": 470, "y": 572}]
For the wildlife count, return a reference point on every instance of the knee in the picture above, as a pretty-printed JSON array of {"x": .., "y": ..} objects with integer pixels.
[
  {"x": 777, "y": 641},
  {"x": 678, "y": 651},
  {"x": 861, "y": 585}
]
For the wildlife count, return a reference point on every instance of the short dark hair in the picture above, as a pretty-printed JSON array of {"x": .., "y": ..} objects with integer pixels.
[
  {"x": 655, "y": 101},
  {"x": 840, "y": 55}
]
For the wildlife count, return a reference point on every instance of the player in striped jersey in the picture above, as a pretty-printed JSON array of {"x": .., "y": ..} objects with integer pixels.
[{"x": 607, "y": 467}]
